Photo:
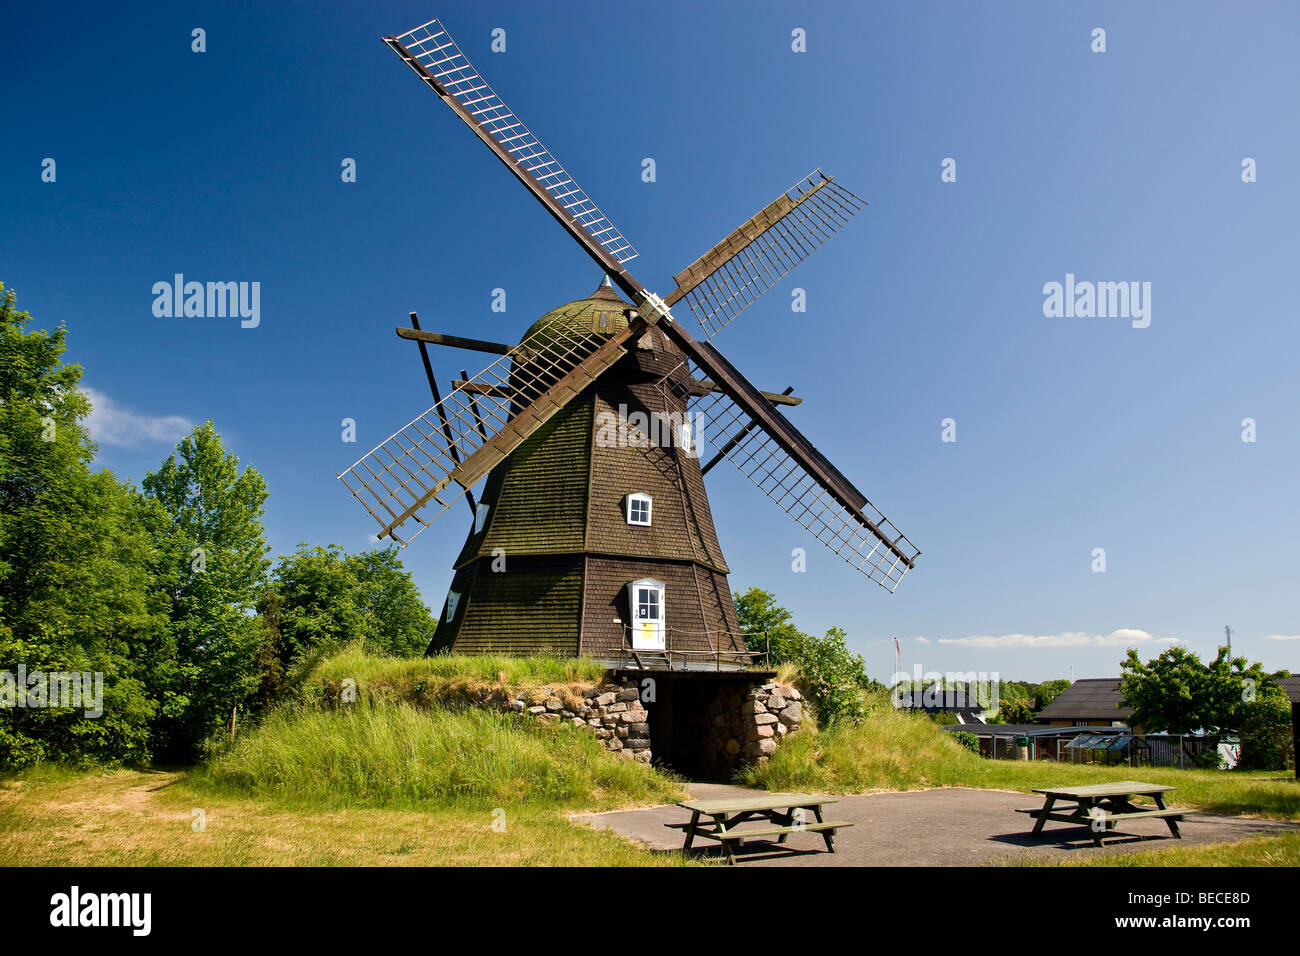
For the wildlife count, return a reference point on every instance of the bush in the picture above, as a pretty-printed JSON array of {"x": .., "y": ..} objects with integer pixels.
[
  {"x": 1266, "y": 734},
  {"x": 967, "y": 740}
]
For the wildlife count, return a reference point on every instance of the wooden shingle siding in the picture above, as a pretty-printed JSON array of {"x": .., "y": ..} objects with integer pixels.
[
  {"x": 538, "y": 496},
  {"x": 557, "y": 512},
  {"x": 681, "y": 525},
  {"x": 530, "y": 608},
  {"x": 692, "y": 624}
]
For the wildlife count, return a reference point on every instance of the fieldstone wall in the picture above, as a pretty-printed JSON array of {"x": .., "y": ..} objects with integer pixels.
[
  {"x": 742, "y": 722},
  {"x": 613, "y": 712},
  {"x": 768, "y": 713}
]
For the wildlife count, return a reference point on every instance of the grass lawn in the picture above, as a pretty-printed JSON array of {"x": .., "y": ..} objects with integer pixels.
[
  {"x": 1260, "y": 851},
  {"x": 140, "y": 818}
]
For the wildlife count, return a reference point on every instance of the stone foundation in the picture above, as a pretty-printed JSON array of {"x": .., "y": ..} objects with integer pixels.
[{"x": 725, "y": 723}]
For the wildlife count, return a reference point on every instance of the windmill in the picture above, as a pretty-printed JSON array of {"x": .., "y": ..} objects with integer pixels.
[{"x": 587, "y": 541}]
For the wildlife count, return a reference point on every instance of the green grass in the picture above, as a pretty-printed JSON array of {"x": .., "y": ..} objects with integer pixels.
[
  {"x": 1281, "y": 850},
  {"x": 147, "y": 818},
  {"x": 397, "y": 755},
  {"x": 892, "y": 750},
  {"x": 425, "y": 681}
]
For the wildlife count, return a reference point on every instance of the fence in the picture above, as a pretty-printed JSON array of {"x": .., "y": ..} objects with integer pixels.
[{"x": 1184, "y": 751}]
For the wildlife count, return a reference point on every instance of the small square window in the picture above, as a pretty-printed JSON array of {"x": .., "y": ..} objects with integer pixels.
[{"x": 638, "y": 509}]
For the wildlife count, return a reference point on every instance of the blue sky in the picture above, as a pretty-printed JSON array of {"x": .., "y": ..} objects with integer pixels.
[{"x": 1072, "y": 433}]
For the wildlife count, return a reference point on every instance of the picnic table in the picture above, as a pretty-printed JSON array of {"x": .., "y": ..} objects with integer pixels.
[
  {"x": 1101, "y": 806},
  {"x": 785, "y": 813}
]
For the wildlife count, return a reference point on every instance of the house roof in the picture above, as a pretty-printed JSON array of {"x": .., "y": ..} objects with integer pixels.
[
  {"x": 935, "y": 701},
  {"x": 1094, "y": 698},
  {"x": 1292, "y": 687}
]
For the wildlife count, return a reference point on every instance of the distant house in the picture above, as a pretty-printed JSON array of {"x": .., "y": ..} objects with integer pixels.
[
  {"x": 1093, "y": 702},
  {"x": 935, "y": 701}
]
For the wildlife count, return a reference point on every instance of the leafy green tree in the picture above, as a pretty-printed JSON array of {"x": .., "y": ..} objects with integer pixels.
[
  {"x": 766, "y": 624},
  {"x": 329, "y": 598},
  {"x": 1048, "y": 691},
  {"x": 1176, "y": 692},
  {"x": 1014, "y": 710},
  {"x": 210, "y": 525},
  {"x": 400, "y": 622},
  {"x": 833, "y": 677},
  {"x": 1267, "y": 741},
  {"x": 75, "y": 564}
]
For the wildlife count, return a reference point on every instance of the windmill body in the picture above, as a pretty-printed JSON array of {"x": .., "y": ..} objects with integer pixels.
[
  {"x": 582, "y": 544},
  {"x": 590, "y": 538}
]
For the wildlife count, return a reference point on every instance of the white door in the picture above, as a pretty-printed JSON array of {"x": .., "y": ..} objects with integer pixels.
[{"x": 646, "y": 599}]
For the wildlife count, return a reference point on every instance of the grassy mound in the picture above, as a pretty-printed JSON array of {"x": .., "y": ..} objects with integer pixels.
[
  {"x": 890, "y": 750},
  {"x": 398, "y": 755},
  {"x": 446, "y": 679}
]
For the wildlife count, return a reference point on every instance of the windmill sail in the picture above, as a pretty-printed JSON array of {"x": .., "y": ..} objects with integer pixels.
[
  {"x": 728, "y": 278},
  {"x": 434, "y": 56},
  {"x": 775, "y": 455},
  {"x": 429, "y": 464}
]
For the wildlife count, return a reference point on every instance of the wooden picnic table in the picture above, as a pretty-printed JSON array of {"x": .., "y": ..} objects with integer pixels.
[
  {"x": 1101, "y": 806},
  {"x": 785, "y": 813}
]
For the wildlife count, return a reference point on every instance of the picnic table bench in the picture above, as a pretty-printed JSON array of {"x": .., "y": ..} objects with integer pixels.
[
  {"x": 1101, "y": 806},
  {"x": 785, "y": 812}
]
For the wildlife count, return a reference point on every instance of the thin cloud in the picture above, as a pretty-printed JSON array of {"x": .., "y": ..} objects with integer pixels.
[
  {"x": 113, "y": 424},
  {"x": 1124, "y": 637},
  {"x": 1283, "y": 637}
]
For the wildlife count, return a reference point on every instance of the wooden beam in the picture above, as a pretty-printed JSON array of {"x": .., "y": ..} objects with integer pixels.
[
  {"x": 700, "y": 386},
  {"x": 455, "y": 341}
]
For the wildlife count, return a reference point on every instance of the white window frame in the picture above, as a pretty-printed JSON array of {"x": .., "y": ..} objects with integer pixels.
[
  {"x": 453, "y": 601},
  {"x": 481, "y": 516},
  {"x": 639, "y": 497}
]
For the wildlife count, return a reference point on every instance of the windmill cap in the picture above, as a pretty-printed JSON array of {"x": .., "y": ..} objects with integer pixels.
[{"x": 600, "y": 312}]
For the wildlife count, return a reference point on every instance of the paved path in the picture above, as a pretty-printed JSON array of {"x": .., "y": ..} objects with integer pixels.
[{"x": 949, "y": 827}]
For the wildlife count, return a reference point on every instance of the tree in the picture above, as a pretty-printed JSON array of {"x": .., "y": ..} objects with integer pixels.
[
  {"x": 1014, "y": 710},
  {"x": 329, "y": 598},
  {"x": 401, "y": 625},
  {"x": 766, "y": 625},
  {"x": 1048, "y": 691},
  {"x": 75, "y": 564},
  {"x": 1179, "y": 694},
  {"x": 210, "y": 524},
  {"x": 833, "y": 677}
]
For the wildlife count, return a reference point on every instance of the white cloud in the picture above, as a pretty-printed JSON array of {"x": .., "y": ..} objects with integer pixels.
[
  {"x": 1283, "y": 637},
  {"x": 113, "y": 424},
  {"x": 1124, "y": 637},
  {"x": 923, "y": 640}
]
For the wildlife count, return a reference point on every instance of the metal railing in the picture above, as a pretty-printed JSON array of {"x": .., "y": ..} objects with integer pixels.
[{"x": 670, "y": 655}]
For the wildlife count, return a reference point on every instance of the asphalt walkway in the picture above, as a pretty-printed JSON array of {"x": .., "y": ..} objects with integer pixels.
[{"x": 948, "y": 827}]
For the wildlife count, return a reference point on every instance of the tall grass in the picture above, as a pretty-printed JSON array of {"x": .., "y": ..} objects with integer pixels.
[
  {"x": 398, "y": 755},
  {"x": 424, "y": 681}
]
